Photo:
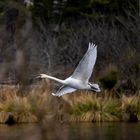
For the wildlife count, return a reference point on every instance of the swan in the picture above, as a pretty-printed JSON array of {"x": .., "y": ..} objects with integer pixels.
[{"x": 79, "y": 80}]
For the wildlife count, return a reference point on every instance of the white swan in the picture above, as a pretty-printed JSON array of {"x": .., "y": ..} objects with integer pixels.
[{"x": 79, "y": 79}]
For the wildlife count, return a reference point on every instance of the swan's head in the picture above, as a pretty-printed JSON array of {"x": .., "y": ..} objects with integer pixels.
[{"x": 94, "y": 87}]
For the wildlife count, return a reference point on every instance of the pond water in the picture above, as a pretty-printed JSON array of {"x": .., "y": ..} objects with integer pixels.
[{"x": 72, "y": 131}]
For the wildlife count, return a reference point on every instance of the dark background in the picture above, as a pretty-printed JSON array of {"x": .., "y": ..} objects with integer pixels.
[{"x": 51, "y": 37}]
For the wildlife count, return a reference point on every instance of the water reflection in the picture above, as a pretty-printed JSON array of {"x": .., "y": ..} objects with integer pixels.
[{"x": 73, "y": 131}]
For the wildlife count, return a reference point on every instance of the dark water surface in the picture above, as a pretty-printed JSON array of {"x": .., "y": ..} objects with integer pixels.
[{"x": 73, "y": 131}]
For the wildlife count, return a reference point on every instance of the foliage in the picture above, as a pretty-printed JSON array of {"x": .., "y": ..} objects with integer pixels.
[
  {"x": 96, "y": 109},
  {"x": 34, "y": 36},
  {"x": 109, "y": 77},
  {"x": 131, "y": 107},
  {"x": 61, "y": 11},
  {"x": 23, "y": 109},
  {"x": 40, "y": 106},
  {"x": 108, "y": 108}
]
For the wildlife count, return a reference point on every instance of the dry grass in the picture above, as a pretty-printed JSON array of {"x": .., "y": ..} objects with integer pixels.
[
  {"x": 90, "y": 107},
  {"x": 23, "y": 109},
  {"x": 104, "y": 107},
  {"x": 131, "y": 107},
  {"x": 40, "y": 105}
]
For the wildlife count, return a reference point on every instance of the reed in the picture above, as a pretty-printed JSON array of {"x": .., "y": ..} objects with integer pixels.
[
  {"x": 91, "y": 107},
  {"x": 131, "y": 107},
  {"x": 23, "y": 109},
  {"x": 18, "y": 108},
  {"x": 39, "y": 105}
]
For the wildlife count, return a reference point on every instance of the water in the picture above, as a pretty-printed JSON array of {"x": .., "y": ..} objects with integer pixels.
[{"x": 74, "y": 131}]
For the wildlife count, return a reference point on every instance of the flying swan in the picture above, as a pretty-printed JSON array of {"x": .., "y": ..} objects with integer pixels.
[{"x": 80, "y": 77}]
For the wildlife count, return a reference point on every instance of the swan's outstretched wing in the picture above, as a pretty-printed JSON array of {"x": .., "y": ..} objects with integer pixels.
[
  {"x": 85, "y": 67},
  {"x": 64, "y": 90}
]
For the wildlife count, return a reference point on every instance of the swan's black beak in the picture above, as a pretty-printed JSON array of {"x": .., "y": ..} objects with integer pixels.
[{"x": 94, "y": 87}]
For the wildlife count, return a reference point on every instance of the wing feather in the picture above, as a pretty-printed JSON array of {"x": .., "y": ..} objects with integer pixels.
[
  {"x": 85, "y": 67},
  {"x": 64, "y": 90}
]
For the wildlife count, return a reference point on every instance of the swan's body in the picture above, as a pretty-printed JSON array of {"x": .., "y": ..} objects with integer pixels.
[{"x": 79, "y": 79}]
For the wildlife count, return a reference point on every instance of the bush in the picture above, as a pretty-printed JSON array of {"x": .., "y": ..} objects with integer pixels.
[{"x": 109, "y": 78}]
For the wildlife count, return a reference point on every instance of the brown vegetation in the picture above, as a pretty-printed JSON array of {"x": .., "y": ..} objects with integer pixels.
[{"x": 39, "y": 105}]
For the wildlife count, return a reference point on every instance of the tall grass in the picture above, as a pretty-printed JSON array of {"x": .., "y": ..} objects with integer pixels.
[
  {"x": 105, "y": 107},
  {"x": 40, "y": 105},
  {"x": 131, "y": 107},
  {"x": 23, "y": 109},
  {"x": 90, "y": 107}
]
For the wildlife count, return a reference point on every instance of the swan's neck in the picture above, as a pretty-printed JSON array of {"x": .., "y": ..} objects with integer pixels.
[{"x": 55, "y": 79}]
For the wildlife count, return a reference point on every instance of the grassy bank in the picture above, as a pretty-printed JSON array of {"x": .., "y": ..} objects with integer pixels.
[
  {"x": 39, "y": 105},
  {"x": 107, "y": 107}
]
